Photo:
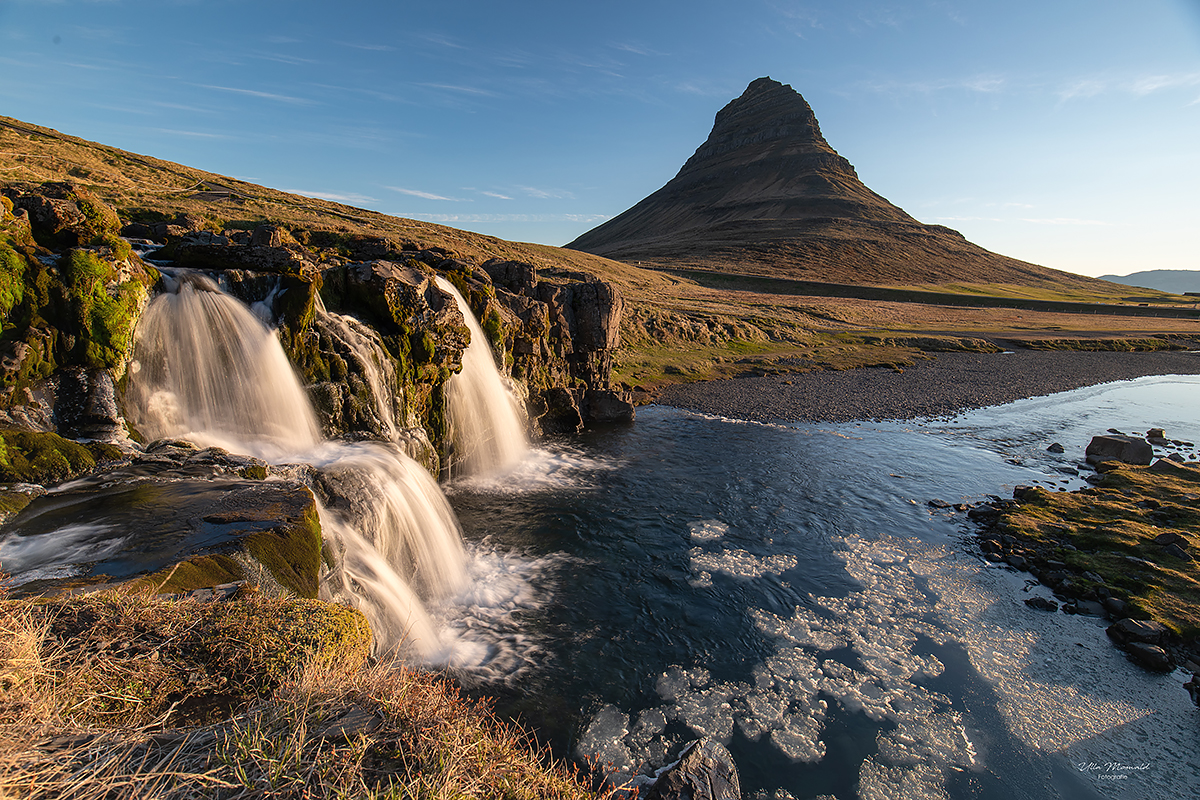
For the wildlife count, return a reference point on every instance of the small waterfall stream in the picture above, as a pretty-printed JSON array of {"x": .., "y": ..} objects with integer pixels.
[
  {"x": 486, "y": 422},
  {"x": 206, "y": 369}
]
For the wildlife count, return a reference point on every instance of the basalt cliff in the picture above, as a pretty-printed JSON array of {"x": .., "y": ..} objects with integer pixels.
[
  {"x": 72, "y": 289},
  {"x": 766, "y": 194}
]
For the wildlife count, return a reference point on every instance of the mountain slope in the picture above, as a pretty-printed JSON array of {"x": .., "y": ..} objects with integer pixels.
[
  {"x": 767, "y": 195},
  {"x": 1165, "y": 280}
]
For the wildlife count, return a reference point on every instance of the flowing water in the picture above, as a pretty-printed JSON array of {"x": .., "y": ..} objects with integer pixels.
[
  {"x": 788, "y": 590},
  {"x": 785, "y": 589},
  {"x": 486, "y": 425}
]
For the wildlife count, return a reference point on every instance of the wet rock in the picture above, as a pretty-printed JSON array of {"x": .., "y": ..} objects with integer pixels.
[
  {"x": 1127, "y": 449},
  {"x": 1087, "y": 608},
  {"x": 1041, "y": 604},
  {"x": 935, "y": 503},
  {"x": 1170, "y": 465},
  {"x": 1115, "y": 606},
  {"x": 1055, "y": 448},
  {"x": 1156, "y": 433},
  {"x": 1136, "y": 630},
  {"x": 561, "y": 412},
  {"x": 1016, "y": 562},
  {"x": 705, "y": 772},
  {"x": 604, "y": 406},
  {"x": 1150, "y": 656}
]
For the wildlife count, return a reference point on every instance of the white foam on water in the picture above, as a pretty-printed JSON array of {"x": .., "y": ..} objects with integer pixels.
[
  {"x": 62, "y": 553},
  {"x": 481, "y": 627},
  {"x": 540, "y": 469},
  {"x": 736, "y": 563},
  {"x": 707, "y": 530}
]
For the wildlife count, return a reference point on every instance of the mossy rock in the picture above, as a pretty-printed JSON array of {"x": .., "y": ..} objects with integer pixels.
[{"x": 44, "y": 458}]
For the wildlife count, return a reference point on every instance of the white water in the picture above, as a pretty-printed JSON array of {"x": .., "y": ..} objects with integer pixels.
[
  {"x": 364, "y": 346},
  {"x": 486, "y": 426},
  {"x": 206, "y": 369}
]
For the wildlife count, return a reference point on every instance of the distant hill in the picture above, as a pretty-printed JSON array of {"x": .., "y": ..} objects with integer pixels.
[
  {"x": 1165, "y": 280},
  {"x": 767, "y": 195}
]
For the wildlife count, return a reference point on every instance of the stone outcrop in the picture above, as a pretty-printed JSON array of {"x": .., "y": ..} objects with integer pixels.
[
  {"x": 1116, "y": 447},
  {"x": 766, "y": 194},
  {"x": 705, "y": 772}
]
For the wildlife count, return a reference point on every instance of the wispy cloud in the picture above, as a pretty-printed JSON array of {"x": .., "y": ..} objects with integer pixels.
[
  {"x": 422, "y": 195},
  {"x": 469, "y": 218},
  {"x": 449, "y": 87},
  {"x": 193, "y": 134},
  {"x": 636, "y": 49},
  {"x": 336, "y": 197},
  {"x": 442, "y": 41},
  {"x": 546, "y": 194},
  {"x": 982, "y": 84},
  {"x": 383, "y": 48},
  {"x": 282, "y": 98},
  {"x": 1139, "y": 85},
  {"x": 497, "y": 195}
]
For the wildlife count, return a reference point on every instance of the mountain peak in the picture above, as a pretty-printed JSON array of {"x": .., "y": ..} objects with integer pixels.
[{"x": 766, "y": 194}]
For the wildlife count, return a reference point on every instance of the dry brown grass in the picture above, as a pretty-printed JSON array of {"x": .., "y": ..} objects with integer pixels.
[{"x": 84, "y": 722}]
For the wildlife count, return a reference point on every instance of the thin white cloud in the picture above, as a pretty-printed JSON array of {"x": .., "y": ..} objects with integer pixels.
[
  {"x": 449, "y": 87},
  {"x": 1064, "y": 221},
  {"x": 336, "y": 197},
  {"x": 1140, "y": 85},
  {"x": 497, "y": 195},
  {"x": 194, "y": 134},
  {"x": 363, "y": 46},
  {"x": 282, "y": 98},
  {"x": 546, "y": 194},
  {"x": 422, "y": 195},
  {"x": 636, "y": 49},
  {"x": 443, "y": 41},
  {"x": 983, "y": 84},
  {"x": 476, "y": 218}
]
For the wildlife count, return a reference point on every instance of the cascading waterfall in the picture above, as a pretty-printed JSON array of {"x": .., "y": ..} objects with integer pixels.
[
  {"x": 206, "y": 369},
  {"x": 486, "y": 425},
  {"x": 364, "y": 346}
]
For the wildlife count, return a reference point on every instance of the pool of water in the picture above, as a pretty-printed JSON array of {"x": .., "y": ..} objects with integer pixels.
[{"x": 788, "y": 590}]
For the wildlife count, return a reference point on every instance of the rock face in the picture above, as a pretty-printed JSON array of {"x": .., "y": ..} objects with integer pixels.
[
  {"x": 706, "y": 772},
  {"x": 766, "y": 194},
  {"x": 1113, "y": 447}
]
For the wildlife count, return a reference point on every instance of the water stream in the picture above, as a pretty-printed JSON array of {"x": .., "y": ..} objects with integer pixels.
[{"x": 786, "y": 589}]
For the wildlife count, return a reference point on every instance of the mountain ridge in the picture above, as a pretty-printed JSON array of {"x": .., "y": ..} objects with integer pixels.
[{"x": 766, "y": 194}]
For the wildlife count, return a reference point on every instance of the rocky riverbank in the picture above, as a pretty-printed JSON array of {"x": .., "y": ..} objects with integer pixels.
[
  {"x": 1124, "y": 548},
  {"x": 944, "y": 384}
]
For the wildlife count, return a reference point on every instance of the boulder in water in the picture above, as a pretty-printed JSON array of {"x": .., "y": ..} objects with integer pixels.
[
  {"x": 705, "y": 772},
  {"x": 1128, "y": 449}
]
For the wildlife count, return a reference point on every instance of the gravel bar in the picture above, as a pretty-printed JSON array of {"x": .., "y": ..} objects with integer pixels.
[{"x": 943, "y": 385}]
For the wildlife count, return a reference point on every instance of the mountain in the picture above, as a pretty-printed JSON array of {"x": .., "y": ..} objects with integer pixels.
[
  {"x": 1165, "y": 280},
  {"x": 766, "y": 194}
]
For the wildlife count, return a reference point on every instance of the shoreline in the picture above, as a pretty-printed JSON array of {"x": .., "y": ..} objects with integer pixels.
[{"x": 946, "y": 384}]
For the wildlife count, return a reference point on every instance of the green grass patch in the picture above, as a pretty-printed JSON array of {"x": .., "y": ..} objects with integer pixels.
[{"x": 1113, "y": 526}]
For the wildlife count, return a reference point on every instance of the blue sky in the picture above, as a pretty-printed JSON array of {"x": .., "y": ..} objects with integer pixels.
[{"x": 1063, "y": 132}]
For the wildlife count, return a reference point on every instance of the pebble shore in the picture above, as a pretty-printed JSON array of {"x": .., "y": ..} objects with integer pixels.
[{"x": 945, "y": 384}]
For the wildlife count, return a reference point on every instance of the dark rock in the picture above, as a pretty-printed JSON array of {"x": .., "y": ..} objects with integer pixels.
[
  {"x": 1136, "y": 630},
  {"x": 1115, "y": 606},
  {"x": 935, "y": 503},
  {"x": 705, "y": 772},
  {"x": 1128, "y": 449},
  {"x": 1016, "y": 562},
  {"x": 1087, "y": 608},
  {"x": 1055, "y": 448},
  {"x": 1156, "y": 433},
  {"x": 1169, "y": 465},
  {"x": 1176, "y": 551},
  {"x": 1024, "y": 494},
  {"x": 1150, "y": 656},
  {"x": 1168, "y": 537},
  {"x": 561, "y": 414},
  {"x": 1042, "y": 604},
  {"x": 604, "y": 406}
]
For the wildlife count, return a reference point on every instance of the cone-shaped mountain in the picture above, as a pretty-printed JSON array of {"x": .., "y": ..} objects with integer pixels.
[{"x": 766, "y": 194}]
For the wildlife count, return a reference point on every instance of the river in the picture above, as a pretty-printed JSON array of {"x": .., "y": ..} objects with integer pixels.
[{"x": 787, "y": 589}]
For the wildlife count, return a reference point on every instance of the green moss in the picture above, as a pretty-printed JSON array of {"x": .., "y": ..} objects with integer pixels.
[
  {"x": 12, "y": 279},
  {"x": 44, "y": 458},
  {"x": 199, "y": 572},
  {"x": 292, "y": 553},
  {"x": 254, "y": 472},
  {"x": 493, "y": 328},
  {"x": 11, "y": 503}
]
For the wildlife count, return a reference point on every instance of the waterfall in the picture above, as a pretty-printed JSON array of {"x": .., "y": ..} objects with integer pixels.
[
  {"x": 363, "y": 346},
  {"x": 485, "y": 420},
  {"x": 205, "y": 368}
]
